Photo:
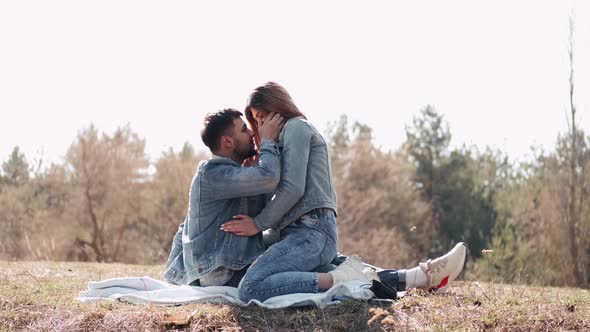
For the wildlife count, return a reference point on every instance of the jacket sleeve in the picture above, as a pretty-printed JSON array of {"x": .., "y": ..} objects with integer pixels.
[
  {"x": 229, "y": 181},
  {"x": 176, "y": 248},
  {"x": 295, "y": 156},
  {"x": 256, "y": 204}
]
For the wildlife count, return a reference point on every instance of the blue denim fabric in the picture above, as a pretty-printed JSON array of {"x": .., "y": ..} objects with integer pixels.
[
  {"x": 220, "y": 190},
  {"x": 233, "y": 282},
  {"x": 306, "y": 177},
  {"x": 285, "y": 267}
]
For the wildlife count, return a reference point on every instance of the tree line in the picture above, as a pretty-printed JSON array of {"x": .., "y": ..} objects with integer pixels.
[{"x": 524, "y": 222}]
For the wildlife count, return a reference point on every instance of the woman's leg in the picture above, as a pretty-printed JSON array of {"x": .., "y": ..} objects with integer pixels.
[{"x": 285, "y": 267}]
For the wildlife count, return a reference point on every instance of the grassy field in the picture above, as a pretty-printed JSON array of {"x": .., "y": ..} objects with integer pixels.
[{"x": 40, "y": 296}]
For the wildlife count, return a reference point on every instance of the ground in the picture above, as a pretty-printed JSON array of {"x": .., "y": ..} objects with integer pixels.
[{"x": 40, "y": 296}]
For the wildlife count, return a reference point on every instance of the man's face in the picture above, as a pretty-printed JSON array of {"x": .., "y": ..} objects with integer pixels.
[{"x": 242, "y": 138}]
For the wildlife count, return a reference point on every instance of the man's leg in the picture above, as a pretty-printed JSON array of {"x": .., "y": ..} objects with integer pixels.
[
  {"x": 233, "y": 282},
  {"x": 237, "y": 277},
  {"x": 433, "y": 275},
  {"x": 394, "y": 279},
  {"x": 437, "y": 274}
]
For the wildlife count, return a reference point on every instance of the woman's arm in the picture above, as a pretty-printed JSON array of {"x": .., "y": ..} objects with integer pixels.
[{"x": 295, "y": 156}]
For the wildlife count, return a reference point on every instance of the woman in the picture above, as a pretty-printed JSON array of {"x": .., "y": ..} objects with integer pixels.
[{"x": 302, "y": 211}]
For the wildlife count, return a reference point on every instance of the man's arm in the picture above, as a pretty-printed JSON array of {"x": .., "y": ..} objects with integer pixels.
[
  {"x": 230, "y": 181},
  {"x": 295, "y": 155}
]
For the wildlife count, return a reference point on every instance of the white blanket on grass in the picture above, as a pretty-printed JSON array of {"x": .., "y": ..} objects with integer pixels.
[{"x": 145, "y": 290}]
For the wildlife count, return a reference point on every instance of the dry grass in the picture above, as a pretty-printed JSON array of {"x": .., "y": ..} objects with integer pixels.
[{"x": 39, "y": 296}]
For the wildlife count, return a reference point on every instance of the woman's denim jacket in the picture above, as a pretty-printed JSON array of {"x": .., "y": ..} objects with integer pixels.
[
  {"x": 220, "y": 190},
  {"x": 306, "y": 177}
]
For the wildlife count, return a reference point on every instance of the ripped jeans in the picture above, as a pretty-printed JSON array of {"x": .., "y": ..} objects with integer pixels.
[{"x": 285, "y": 268}]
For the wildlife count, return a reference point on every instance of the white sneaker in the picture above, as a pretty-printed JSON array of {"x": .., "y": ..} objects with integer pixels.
[
  {"x": 353, "y": 269},
  {"x": 440, "y": 272}
]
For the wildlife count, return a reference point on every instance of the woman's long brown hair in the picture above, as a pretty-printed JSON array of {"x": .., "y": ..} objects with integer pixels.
[{"x": 270, "y": 97}]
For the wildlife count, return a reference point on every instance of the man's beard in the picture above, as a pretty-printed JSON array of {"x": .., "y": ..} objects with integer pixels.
[{"x": 248, "y": 154}]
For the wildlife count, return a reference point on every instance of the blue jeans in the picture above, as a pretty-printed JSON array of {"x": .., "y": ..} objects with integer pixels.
[{"x": 285, "y": 268}]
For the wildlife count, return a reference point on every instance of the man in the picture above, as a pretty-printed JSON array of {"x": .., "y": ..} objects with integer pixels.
[{"x": 202, "y": 254}]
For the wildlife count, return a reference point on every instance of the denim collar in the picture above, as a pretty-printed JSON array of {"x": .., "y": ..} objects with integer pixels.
[{"x": 215, "y": 159}]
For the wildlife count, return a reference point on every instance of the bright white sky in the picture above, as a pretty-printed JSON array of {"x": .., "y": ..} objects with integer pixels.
[{"x": 498, "y": 71}]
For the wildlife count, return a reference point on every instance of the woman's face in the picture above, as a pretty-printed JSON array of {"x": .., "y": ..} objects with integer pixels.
[{"x": 258, "y": 114}]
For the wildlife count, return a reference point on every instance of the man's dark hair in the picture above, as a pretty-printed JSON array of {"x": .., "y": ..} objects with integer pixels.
[{"x": 217, "y": 124}]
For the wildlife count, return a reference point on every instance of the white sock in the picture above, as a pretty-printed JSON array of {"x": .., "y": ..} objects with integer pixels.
[{"x": 415, "y": 278}]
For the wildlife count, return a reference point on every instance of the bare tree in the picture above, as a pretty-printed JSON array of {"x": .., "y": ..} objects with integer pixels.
[
  {"x": 574, "y": 185},
  {"x": 108, "y": 175}
]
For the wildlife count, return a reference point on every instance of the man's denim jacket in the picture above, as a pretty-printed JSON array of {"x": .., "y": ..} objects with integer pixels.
[
  {"x": 220, "y": 190},
  {"x": 306, "y": 177}
]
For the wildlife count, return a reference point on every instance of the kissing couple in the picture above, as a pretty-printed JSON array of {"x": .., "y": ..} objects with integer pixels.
[{"x": 262, "y": 211}]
